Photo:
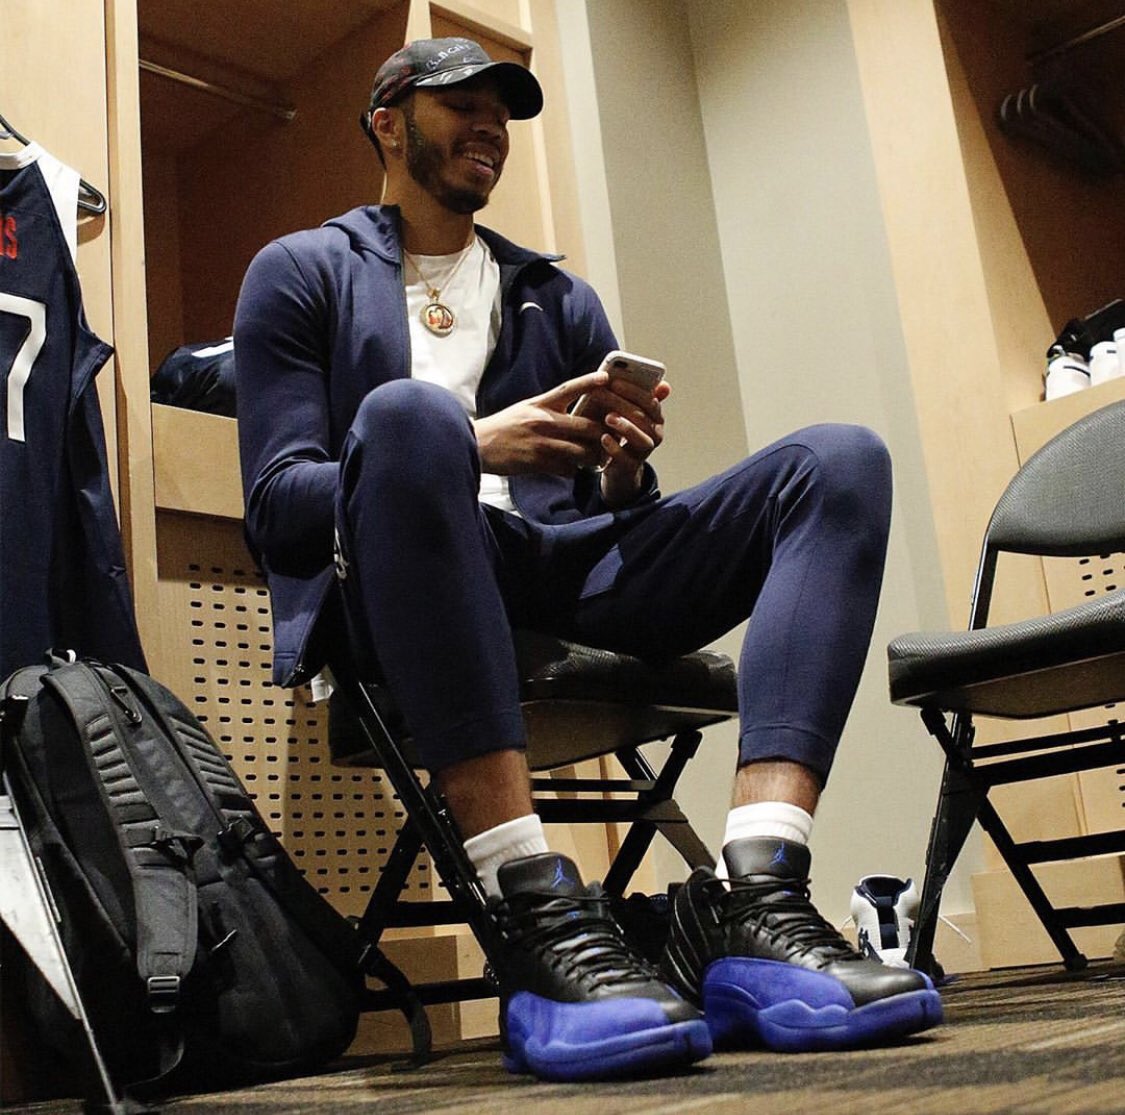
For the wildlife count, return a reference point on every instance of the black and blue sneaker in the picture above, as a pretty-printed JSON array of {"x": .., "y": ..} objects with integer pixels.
[
  {"x": 576, "y": 1001},
  {"x": 769, "y": 971}
]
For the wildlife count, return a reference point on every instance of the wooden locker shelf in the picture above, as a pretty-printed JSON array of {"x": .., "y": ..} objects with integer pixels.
[{"x": 195, "y": 462}]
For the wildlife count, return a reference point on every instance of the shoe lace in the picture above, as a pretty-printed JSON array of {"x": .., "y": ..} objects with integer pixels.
[
  {"x": 781, "y": 910},
  {"x": 578, "y": 933}
]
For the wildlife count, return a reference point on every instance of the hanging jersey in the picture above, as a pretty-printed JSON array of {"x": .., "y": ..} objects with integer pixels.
[
  {"x": 62, "y": 185},
  {"x": 62, "y": 570}
]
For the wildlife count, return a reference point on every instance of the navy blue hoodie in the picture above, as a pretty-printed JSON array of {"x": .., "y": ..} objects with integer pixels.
[{"x": 321, "y": 321}]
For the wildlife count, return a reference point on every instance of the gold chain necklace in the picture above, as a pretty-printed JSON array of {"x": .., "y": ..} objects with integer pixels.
[{"x": 435, "y": 315}]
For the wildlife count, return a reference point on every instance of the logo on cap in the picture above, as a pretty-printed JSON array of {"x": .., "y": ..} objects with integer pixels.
[{"x": 442, "y": 55}]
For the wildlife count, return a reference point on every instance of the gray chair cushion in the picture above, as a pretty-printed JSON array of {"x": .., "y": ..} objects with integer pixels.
[{"x": 1037, "y": 667}]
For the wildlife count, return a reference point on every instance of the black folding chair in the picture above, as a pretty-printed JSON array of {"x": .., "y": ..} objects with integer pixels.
[
  {"x": 1068, "y": 500},
  {"x": 578, "y": 703}
]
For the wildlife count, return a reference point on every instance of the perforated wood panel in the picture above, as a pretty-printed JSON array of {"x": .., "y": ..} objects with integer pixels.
[{"x": 337, "y": 823}]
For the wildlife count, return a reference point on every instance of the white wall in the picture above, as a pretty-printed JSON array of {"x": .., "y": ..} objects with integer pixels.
[
  {"x": 654, "y": 246},
  {"x": 748, "y": 251}
]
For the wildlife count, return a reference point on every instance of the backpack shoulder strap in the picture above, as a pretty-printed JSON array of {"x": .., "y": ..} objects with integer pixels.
[
  {"x": 243, "y": 831},
  {"x": 156, "y": 851}
]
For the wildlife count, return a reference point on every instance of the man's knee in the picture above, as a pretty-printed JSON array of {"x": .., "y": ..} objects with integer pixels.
[
  {"x": 410, "y": 415},
  {"x": 844, "y": 471},
  {"x": 851, "y": 462},
  {"x": 840, "y": 444},
  {"x": 406, "y": 432}
]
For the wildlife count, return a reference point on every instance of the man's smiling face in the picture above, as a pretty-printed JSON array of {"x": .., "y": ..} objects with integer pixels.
[{"x": 457, "y": 142}]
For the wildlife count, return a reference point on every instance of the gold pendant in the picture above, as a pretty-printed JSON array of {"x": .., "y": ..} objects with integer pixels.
[{"x": 438, "y": 318}]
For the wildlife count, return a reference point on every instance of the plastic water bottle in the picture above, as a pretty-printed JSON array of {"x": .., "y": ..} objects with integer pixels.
[
  {"x": 1066, "y": 373},
  {"x": 1104, "y": 362}
]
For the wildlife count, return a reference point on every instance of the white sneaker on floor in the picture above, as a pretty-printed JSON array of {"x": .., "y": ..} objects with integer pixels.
[{"x": 884, "y": 909}]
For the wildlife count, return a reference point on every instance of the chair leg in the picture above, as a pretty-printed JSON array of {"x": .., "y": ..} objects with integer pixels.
[
  {"x": 432, "y": 821},
  {"x": 677, "y": 832},
  {"x": 1060, "y": 938},
  {"x": 959, "y": 802},
  {"x": 637, "y": 841},
  {"x": 681, "y": 835},
  {"x": 392, "y": 881},
  {"x": 684, "y": 839}
]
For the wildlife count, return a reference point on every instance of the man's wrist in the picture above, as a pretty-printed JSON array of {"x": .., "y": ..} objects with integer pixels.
[{"x": 617, "y": 494}]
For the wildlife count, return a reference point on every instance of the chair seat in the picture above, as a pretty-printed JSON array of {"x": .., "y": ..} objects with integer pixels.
[
  {"x": 579, "y": 702},
  {"x": 1038, "y": 667}
]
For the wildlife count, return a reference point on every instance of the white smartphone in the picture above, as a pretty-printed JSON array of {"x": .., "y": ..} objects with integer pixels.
[{"x": 625, "y": 365}]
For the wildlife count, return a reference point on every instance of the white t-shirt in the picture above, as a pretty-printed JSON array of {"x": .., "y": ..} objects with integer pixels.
[{"x": 468, "y": 283}]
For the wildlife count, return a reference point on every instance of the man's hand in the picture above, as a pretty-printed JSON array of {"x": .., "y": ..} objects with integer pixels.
[
  {"x": 635, "y": 422},
  {"x": 622, "y": 425},
  {"x": 538, "y": 435}
]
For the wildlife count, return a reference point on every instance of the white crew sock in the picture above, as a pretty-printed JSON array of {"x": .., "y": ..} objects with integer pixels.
[
  {"x": 765, "y": 818},
  {"x": 510, "y": 840}
]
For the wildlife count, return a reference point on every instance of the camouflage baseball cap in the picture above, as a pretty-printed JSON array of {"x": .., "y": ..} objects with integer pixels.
[{"x": 434, "y": 63}]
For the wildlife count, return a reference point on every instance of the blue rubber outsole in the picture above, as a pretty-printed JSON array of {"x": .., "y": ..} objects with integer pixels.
[
  {"x": 662, "y": 1048},
  {"x": 792, "y": 1026}
]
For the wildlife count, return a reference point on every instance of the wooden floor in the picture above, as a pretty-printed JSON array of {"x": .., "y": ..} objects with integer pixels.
[{"x": 1021, "y": 1040}]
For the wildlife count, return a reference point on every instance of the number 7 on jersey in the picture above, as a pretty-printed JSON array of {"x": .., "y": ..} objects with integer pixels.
[{"x": 20, "y": 371}]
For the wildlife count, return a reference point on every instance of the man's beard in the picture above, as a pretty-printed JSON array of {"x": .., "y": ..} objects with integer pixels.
[{"x": 424, "y": 161}]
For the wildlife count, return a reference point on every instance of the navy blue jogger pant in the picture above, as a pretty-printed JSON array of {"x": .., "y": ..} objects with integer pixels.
[{"x": 792, "y": 538}]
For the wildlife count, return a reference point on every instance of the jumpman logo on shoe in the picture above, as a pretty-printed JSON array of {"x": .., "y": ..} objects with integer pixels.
[{"x": 778, "y": 857}]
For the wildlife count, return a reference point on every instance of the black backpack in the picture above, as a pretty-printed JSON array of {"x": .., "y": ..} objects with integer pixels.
[{"x": 200, "y": 952}]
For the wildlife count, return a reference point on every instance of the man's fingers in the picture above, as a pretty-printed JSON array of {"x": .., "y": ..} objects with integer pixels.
[
  {"x": 575, "y": 428},
  {"x": 564, "y": 458},
  {"x": 630, "y": 392},
  {"x": 638, "y": 403},
  {"x": 566, "y": 393},
  {"x": 631, "y": 437}
]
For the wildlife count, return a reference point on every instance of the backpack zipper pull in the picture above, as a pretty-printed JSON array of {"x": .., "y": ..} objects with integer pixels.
[{"x": 123, "y": 697}]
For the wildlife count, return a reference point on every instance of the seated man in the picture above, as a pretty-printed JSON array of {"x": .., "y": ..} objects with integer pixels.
[{"x": 414, "y": 477}]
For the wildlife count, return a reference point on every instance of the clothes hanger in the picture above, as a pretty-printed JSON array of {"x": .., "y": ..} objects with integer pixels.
[
  {"x": 90, "y": 198},
  {"x": 1045, "y": 113},
  {"x": 1057, "y": 120},
  {"x": 1069, "y": 104}
]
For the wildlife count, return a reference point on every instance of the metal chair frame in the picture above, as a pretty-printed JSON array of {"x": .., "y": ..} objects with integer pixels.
[
  {"x": 648, "y": 807},
  {"x": 1067, "y": 683}
]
